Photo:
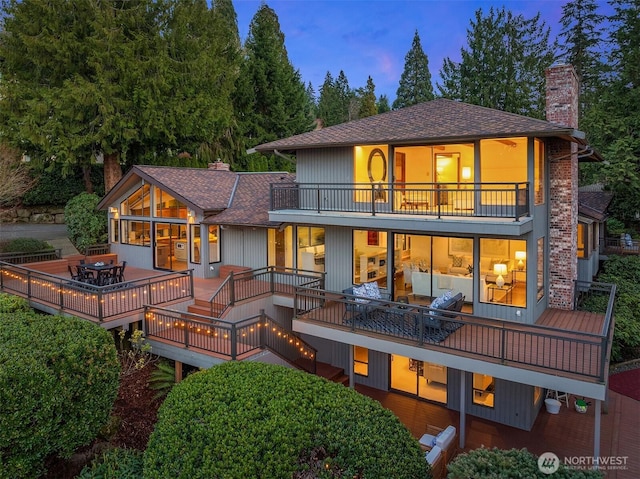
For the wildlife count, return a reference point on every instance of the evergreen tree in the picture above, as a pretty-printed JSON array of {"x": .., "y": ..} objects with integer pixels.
[
  {"x": 415, "y": 82},
  {"x": 503, "y": 66},
  {"x": 613, "y": 120},
  {"x": 335, "y": 105},
  {"x": 583, "y": 43},
  {"x": 368, "y": 100},
  {"x": 271, "y": 99},
  {"x": 383, "y": 104}
]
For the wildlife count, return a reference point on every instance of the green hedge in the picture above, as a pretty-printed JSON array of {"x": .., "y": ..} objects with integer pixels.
[
  {"x": 23, "y": 245},
  {"x": 508, "y": 464},
  {"x": 54, "y": 188},
  {"x": 59, "y": 379},
  {"x": 243, "y": 419}
]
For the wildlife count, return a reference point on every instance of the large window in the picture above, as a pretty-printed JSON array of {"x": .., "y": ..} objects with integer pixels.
[
  {"x": 136, "y": 232},
  {"x": 420, "y": 378},
  {"x": 311, "y": 251},
  {"x": 503, "y": 270},
  {"x": 166, "y": 206},
  {"x": 196, "y": 243},
  {"x": 214, "y": 243},
  {"x": 370, "y": 257},
  {"x": 138, "y": 203},
  {"x": 115, "y": 230},
  {"x": 280, "y": 247}
]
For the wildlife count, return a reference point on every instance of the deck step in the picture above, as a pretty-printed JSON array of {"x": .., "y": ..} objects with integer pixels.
[
  {"x": 332, "y": 373},
  {"x": 204, "y": 309}
]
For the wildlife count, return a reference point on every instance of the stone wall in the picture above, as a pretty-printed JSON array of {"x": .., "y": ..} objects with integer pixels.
[{"x": 36, "y": 214}]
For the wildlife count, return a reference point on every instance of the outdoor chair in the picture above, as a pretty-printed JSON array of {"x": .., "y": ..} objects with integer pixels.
[
  {"x": 76, "y": 276},
  {"x": 361, "y": 307},
  {"x": 121, "y": 267}
]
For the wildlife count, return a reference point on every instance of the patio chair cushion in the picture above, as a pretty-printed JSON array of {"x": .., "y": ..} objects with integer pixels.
[
  {"x": 372, "y": 290},
  {"x": 433, "y": 455},
  {"x": 440, "y": 302},
  {"x": 361, "y": 293}
]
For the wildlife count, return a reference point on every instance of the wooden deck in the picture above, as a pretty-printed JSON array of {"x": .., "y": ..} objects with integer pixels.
[{"x": 566, "y": 434}]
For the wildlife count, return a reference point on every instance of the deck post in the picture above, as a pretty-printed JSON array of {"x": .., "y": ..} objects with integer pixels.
[
  {"x": 463, "y": 419},
  {"x": 596, "y": 435},
  {"x": 351, "y": 378}
]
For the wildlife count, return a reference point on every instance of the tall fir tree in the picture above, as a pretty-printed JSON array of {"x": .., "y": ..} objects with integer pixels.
[
  {"x": 582, "y": 46},
  {"x": 383, "y": 104},
  {"x": 335, "y": 105},
  {"x": 367, "y": 96},
  {"x": 271, "y": 99},
  {"x": 503, "y": 65},
  {"x": 415, "y": 82}
]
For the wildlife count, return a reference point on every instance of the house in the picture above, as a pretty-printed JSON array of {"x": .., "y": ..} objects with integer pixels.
[
  {"x": 450, "y": 196},
  {"x": 435, "y": 199},
  {"x": 593, "y": 202},
  {"x": 175, "y": 219}
]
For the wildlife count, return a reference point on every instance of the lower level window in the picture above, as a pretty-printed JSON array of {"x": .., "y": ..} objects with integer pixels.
[
  {"x": 136, "y": 232},
  {"x": 483, "y": 390},
  {"x": 361, "y": 360}
]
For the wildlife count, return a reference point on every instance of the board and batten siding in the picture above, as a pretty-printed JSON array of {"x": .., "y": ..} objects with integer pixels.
[
  {"x": 338, "y": 258},
  {"x": 244, "y": 247},
  {"x": 513, "y": 402},
  {"x": 325, "y": 165}
]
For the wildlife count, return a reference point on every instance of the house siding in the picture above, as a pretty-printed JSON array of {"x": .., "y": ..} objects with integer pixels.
[{"x": 325, "y": 165}]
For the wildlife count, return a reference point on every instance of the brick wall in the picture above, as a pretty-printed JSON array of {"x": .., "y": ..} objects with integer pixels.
[{"x": 562, "y": 108}]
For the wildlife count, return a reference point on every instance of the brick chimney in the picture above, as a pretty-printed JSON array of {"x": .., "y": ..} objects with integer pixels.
[
  {"x": 562, "y": 94},
  {"x": 219, "y": 165}
]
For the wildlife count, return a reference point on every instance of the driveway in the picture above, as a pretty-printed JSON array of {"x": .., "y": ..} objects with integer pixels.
[{"x": 55, "y": 234}]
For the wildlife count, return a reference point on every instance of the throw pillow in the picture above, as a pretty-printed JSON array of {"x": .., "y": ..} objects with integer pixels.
[
  {"x": 457, "y": 261},
  {"x": 361, "y": 293},
  {"x": 372, "y": 290}
]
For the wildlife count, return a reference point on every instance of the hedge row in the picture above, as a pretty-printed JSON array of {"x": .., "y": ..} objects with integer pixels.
[
  {"x": 240, "y": 420},
  {"x": 59, "y": 378}
]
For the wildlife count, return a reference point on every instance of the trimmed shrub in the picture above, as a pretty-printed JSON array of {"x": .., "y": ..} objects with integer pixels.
[
  {"x": 508, "y": 464},
  {"x": 24, "y": 245},
  {"x": 246, "y": 419},
  {"x": 12, "y": 304},
  {"x": 58, "y": 381},
  {"x": 115, "y": 464},
  {"x": 86, "y": 225}
]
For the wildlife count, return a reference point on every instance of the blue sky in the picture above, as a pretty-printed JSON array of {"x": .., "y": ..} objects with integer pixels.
[{"x": 365, "y": 37}]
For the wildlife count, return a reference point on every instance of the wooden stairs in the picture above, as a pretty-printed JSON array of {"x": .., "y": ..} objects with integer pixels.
[
  {"x": 203, "y": 308},
  {"x": 329, "y": 372}
]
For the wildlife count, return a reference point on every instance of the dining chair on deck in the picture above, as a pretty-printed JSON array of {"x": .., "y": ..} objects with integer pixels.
[
  {"x": 121, "y": 268},
  {"x": 85, "y": 275},
  {"x": 74, "y": 276}
]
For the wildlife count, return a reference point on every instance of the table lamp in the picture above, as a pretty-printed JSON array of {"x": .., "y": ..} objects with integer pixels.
[
  {"x": 500, "y": 269},
  {"x": 520, "y": 256}
]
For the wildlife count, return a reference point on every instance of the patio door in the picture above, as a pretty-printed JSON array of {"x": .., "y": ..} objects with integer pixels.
[{"x": 170, "y": 246}]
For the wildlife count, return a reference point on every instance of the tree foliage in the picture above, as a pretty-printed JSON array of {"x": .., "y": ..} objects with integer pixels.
[
  {"x": 14, "y": 176},
  {"x": 271, "y": 98},
  {"x": 59, "y": 378},
  {"x": 367, "y": 96},
  {"x": 85, "y": 225},
  {"x": 415, "y": 82},
  {"x": 503, "y": 65},
  {"x": 335, "y": 100},
  {"x": 248, "y": 419},
  {"x": 113, "y": 79}
]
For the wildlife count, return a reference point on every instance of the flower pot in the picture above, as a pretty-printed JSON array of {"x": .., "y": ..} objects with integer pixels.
[
  {"x": 581, "y": 406},
  {"x": 553, "y": 405}
]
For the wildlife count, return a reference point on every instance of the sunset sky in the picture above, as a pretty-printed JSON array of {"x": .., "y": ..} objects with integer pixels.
[{"x": 372, "y": 37}]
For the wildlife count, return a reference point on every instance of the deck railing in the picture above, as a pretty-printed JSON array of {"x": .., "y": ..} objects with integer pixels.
[
  {"x": 231, "y": 340},
  {"x": 580, "y": 353},
  {"x": 97, "y": 249},
  {"x": 502, "y": 200},
  {"x": 621, "y": 246},
  {"x": 33, "y": 257},
  {"x": 253, "y": 283},
  {"x": 97, "y": 302}
]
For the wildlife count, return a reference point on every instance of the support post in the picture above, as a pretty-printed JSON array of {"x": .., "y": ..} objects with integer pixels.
[
  {"x": 178, "y": 371},
  {"x": 463, "y": 413},
  {"x": 596, "y": 435},
  {"x": 352, "y": 383}
]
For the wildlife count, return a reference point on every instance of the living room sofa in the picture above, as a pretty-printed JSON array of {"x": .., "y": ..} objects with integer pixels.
[{"x": 422, "y": 284}]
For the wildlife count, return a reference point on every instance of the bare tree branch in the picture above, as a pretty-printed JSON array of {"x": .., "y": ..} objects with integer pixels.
[{"x": 14, "y": 176}]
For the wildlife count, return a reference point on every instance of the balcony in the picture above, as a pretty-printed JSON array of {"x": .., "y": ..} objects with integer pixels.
[
  {"x": 570, "y": 344},
  {"x": 476, "y": 200}
]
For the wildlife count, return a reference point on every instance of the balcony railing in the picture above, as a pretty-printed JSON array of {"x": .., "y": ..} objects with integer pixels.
[
  {"x": 96, "y": 302},
  {"x": 578, "y": 353},
  {"x": 32, "y": 257},
  {"x": 231, "y": 340},
  {"x": 621, "y": 246},
  {"x": 501, "y": 200},
  {"x": 270, "y": 280}
]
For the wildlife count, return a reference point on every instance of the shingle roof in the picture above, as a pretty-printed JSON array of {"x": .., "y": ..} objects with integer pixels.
[
  {"x": 205, "y": 188},
  {"x": 437, "y": 120},
  {"x": 250, "y": 202},
  {"x": 594, "y": 204}
]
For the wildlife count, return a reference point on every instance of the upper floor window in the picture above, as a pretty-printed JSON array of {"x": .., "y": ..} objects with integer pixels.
[
  {"x": 138, "y": 203},
  {"x": 503, "y": 160},
  {"x": 166, "y": 206}
]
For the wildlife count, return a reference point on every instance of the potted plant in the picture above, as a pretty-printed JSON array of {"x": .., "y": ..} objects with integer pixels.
[{"x": 581, "y": 405}]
